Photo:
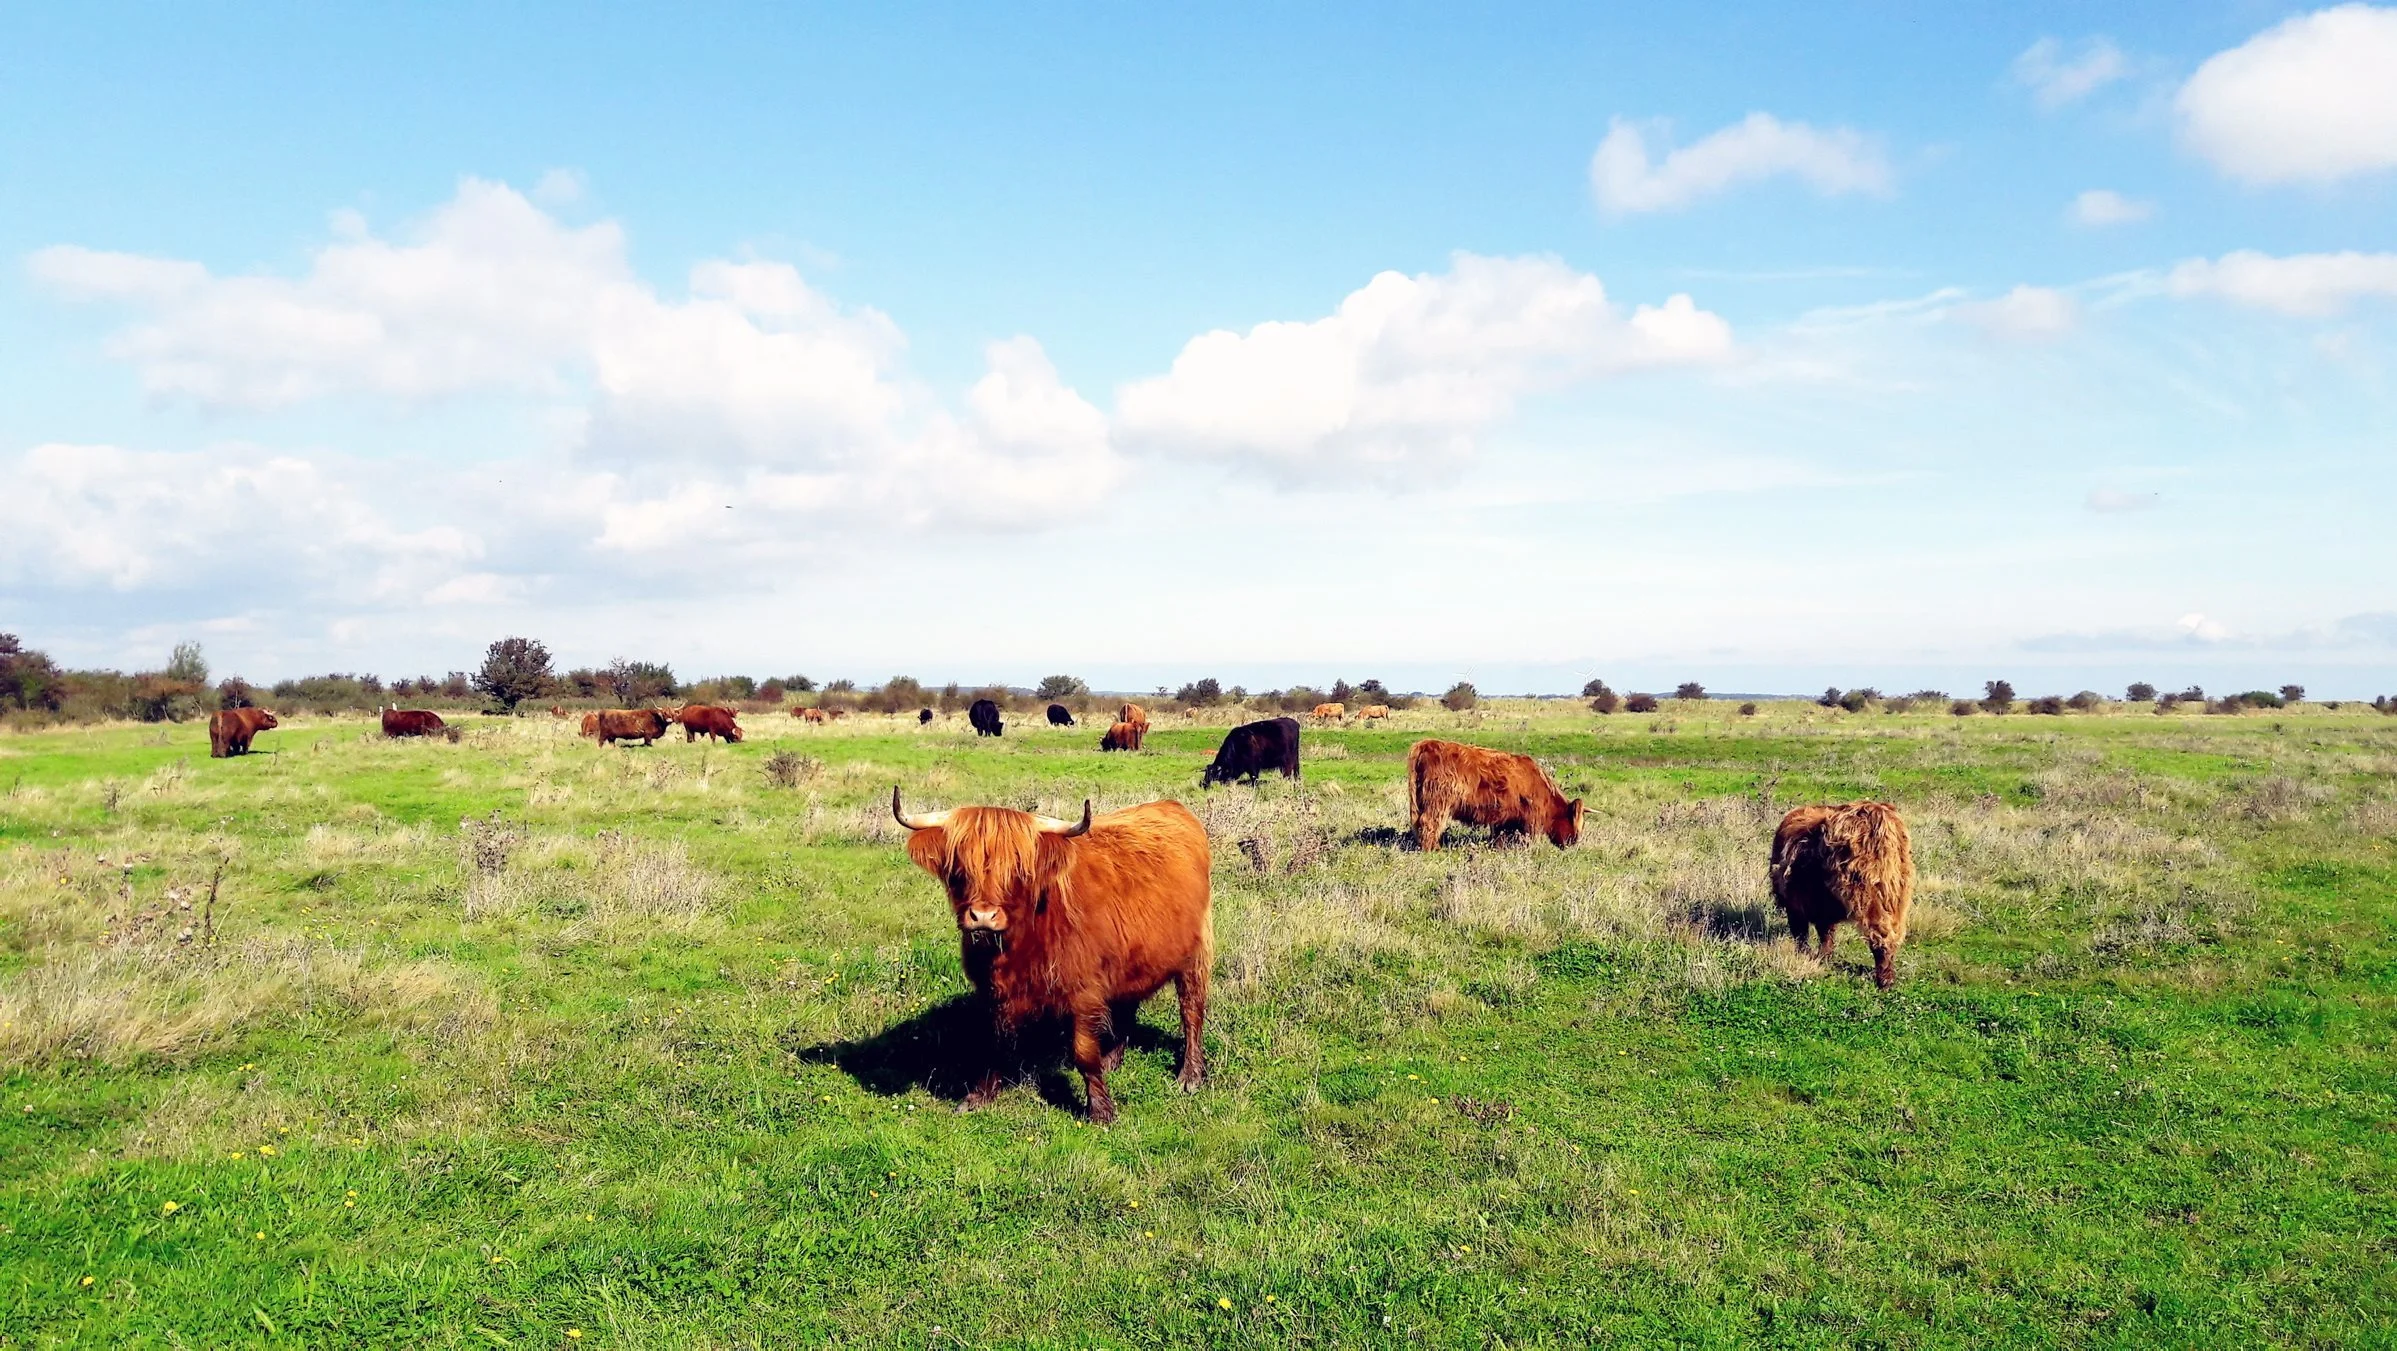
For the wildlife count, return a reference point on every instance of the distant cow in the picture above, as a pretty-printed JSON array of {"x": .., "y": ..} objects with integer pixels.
[
  {"x": 644, "y": 725},
  {"x": 837, "y": 713},
  {"x": 590, "y": 724},
  {"x": 399, "y": 721},
  {"x": 1330, "y": 712},
  {"x": 1509, "y": 794},
  {"x": 1060, "y": 716},
  {"x": 230, "y": 730},
  {"x": 557, "y": 711},
  {"x": 808, "y": 714},
  {"x": 1253, "y": 748},
  {"x": 985, "y": 717},
  {"x": 1135, "y": 715},
  {"x": 1849, "y": 863},
  {"x": 1374, "y": 711},
  {"x": 708, "y": 720},
  {"x": 1123, "y": 736},
  {"x": 1075, "y": 921},
  {"x": 923, "y": 715}
]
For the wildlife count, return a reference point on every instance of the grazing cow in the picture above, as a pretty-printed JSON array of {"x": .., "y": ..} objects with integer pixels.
[
  {"x": 399, "y": 721},
  {"x": 1252, "y": 748},
  {"x": 708, "y": 720},
  {"x": 1849, "y": 863},
  {"x": 808, "y": 714},
  {"x": 1060, "y": 716},
  {"x": 1081, "y": 922},
  {"x": 1510, "y": 794},
  {"x": 1371, "y": 711},
  {"x": 1135, "y": 715},
  {"x": 985, "y": 717},
  {"x": 644, "y": 725},
  {"x": 590, "y": 724},
  {"x": 1123, "y": 736},
  {"x": 1330, "y": 712},
  {"x": 923, "y": 715},
  {"x": 557, "y": 711},
  {"x": 837, "y": 713},
  {"x": 230, "y": 730}
]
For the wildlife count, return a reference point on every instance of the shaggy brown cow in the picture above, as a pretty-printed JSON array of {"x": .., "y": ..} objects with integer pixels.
[
  {"x": 808, "y": 714},
  {"x": 399, "y": 721},
  {"x": 557, "y": 711},
  {"x": 590, "y": 724},
  {"x": 700, "y": 720},
  {"x": 1330, "y": 712},
  {"x": 230, "y": 730},
  {"x": 1081, "y": 922},
  {"x": 1510, "y": 794},
  {"x": 1374, "y": 711},
  {"x": 1123, "y": 736},
  {"x": 644, "y": 725},
  {"x": 1849, "y": 863}
]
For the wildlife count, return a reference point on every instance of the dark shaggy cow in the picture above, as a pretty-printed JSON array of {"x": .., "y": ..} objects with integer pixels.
[
  {"x": 399, "y": 721},
  {"x": 985, "y": 717},
  {"x": 644, "y": 725},
  {"x": 923, "y": 715},
  {"x": 1510, "y": 794},
  {"x": 1253, "y": 748},
  {"x": 590, "y": 724},
  {"x": 708, "y": 720},
  {"x": 230, "y": 730},
  {"x": 1852, "y": 863},
  {"x": 1080, "y": 922},
  {"x": 1123, "y": 736},
  {"x": 1060, "y": 716}
]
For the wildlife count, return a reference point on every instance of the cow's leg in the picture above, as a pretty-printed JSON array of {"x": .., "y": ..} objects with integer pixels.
[
  {"x": 1885, "y": 957},
  {"x": 1190, "y": 986},
  {"x": 1122, "y": 1016},
  {"x": 1797, "y": 931},
  {"x": 1829, "y": 929},
  {"x": 1090, "y": 1057},
  {"x": 1429, "y": 818}
]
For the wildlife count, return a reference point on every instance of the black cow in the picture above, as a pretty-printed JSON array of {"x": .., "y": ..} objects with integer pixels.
[
  {"x": 1252, "y": 748},
  {"x": 1059, "y": 717},
  {"x": 923, "y": 715},
  {"x": 985, "y": 717}
]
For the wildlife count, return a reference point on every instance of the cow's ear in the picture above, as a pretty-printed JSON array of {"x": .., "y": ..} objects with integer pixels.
[
  {"x": 1052, "y": 858},
  {"x": 930, "y": 850}
]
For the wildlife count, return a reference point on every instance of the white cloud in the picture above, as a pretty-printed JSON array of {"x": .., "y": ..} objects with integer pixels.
[
  {"x": 1833, "y": 162},
  {"x": 2114, "y": 501},
  {"x": 2056, "y": 78},
  {"x": 1406, "y": 370},
  {"x": 2202, "y": 629},
  {"x": 2026, "y": 313},
  {"x": 2104, "y": 206},
  {"x": 2304, "y": 284},
  {"x": 2312, "y": 100}
]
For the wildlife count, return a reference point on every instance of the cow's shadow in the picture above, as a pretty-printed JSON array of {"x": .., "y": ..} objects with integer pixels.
[
  {"x": 941, "y": 1050},
  {"x": 1453, "y": 838}
]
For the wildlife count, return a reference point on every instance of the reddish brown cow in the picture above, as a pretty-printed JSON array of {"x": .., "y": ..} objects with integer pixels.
[
  {"x": 1510, "y": 794},
  {"x": 1852, "y": 862},
  {"x": 1330, "y": 712},
  {"x": 1123, "y": 736},
  {"x": 1372, "y": 711},
  {"x": 230, "y": 730},
  {"x": 1081, "y": 922},
  {"x": 644, "y": 725},
  {"x": 590, "y": 724},
  {"x": 700, "y": 720},
  {"x": 557, "y": 711},
  {"x": 399, "y": 721},
  {"x": 808, "y": 714}
]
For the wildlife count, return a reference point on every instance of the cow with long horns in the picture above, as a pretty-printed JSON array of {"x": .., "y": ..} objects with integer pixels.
[{"x": 1080, "y": 921}]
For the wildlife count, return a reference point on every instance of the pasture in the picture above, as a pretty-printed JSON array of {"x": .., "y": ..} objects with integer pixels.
[{"x": 520, "y": 1041}]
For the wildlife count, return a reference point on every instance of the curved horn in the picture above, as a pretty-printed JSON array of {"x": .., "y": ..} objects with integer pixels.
[
  {"x": 1050, "y": 825},
  {"x": 928, "y": 821}
]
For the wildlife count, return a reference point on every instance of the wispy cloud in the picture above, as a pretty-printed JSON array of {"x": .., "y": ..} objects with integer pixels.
[
  {"x": 1834, "y": 162},
  {"x": 2103, "y": 206},
  {"x": 2114, "y": 501},
  {"x": 2057, "y": 75}
]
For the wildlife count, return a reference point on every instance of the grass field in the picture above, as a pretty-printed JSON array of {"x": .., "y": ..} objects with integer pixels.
[{"x": 522, "y": 1042}]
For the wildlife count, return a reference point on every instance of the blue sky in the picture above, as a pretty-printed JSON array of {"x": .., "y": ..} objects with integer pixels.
[{"x": 1774, "y": 350}]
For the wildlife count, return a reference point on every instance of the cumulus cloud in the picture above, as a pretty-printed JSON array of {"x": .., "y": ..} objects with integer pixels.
[
  {"x": 1833, "y": 162},
  {"x": 2304, "y": 284},
  {"x": 2057, "y": 76},
  {"x": 1407, "y": 369},
  {"x": 2026, "y": 313},
  {"x": 2104, "y": 206},
  {"x": 753, "y": 387},
  {"x": 2311, "y": 100}
]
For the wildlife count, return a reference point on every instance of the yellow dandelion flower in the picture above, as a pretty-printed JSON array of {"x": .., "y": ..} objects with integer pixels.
[
  {"x": 262, "y": 1233},
  {"x": 1221, "y": 1303},
  {"x": 496, "y": 1259},
  {"x": 575, "y": 1333},
  {"x": 1148, "y": 1233},
  {"x": 590, "y": 1217},
  {"x": 170, "y": 1208},
  {"x": 1414, "y": 1076},
  {"x": 87, "y": 1280},
  {"x": 353, "y": 1191},
  {"x": 1634, "y": 1191},
  {"x": 282, "y": 1130},
  {"x": 267, "y": 1151},
  {"x": 1133, "y": 1204},
  {"x": 349, "y": 1205},
  {"x": 1269, "y": 1299}
]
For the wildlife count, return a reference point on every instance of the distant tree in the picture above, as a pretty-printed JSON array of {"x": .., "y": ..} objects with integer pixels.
[
  {"x": 1964, "y": 708},
  {"x": 2085, "y": 701},
  {"x": 235, "y": 692},
  {"x": 2195, "y": 694},
  {"x": 899, "y": 694},
  {"x": 1235, "y": 695},
  {"x": 798, "y": 684},
  {"x": 458, "y": 684},
  {"x": 1593, "y": 687},
  {"x": 1343, "y": 692},
  {"x": 1998, "y": 696},
  {"x": 1052, "y": 688},
  {"x": 638, "y": 682},
  {"x": 514, "y": 670},
  {"x": 841, "y": 686},
  {"x": 771, "y": 692},
  {"x": 1460, "y": 697},
  {"x": 1689, "y": 689},
  {"x": 28, "y": 679},
  {"x": 2140, "y": 692},
  {"x": 187, "y": 666},
  {"x": 1857, "y": 700},
  {"x": 1605, "y": 700},
  {"x": 1829, "y": 698},
  {"x": 2257, "y": 699},
  {"x": 1204, "y": 693},
  {"x": 1373, "y": 692},
  {"x": 2292, "y": 694},
  {"x": 1640, "y": 703}
]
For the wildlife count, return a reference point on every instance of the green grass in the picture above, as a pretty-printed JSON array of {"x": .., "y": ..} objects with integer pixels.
[{"x": 666, "y": 1068}]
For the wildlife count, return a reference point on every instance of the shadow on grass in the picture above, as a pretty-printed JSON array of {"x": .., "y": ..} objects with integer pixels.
[
  {"x": 941, "y": 1050},
  {"x": 1453, "y": 838}
]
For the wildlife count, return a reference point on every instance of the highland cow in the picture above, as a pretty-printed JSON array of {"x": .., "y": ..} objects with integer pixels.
[
  {"x": 1253, "y": 748},
  {"x": 1060, "y": 716},
  {"x": 1509, "y": 794},
  {"x": 707, "y": 720},
  {"x": 1123, "y": 736},
  {"x": 230, "y": 730},
  {"x": 644, "y": 725},
  {"x": 399, "y": 722},
  {"x": 985, "y": 717},
  {"x": 1851, "y": 863}
]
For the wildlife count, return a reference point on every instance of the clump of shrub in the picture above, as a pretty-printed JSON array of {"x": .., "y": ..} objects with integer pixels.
[
  {"x": 1856, "y": 701},
  {"x": 1602, "y": 699},
  {"x": 1460, "y": 696},
  {"x": 1689, "y": 689},
  {"x": 1747, "y": 710},
  {"x": 2048, "y": 704},
  {"x": 789, "y": 769},
  {"x": 1963, "y": 708},
  {"x": 2140, "y": 692},
  {"x": 2085, "y": 701},
  {"x": 1997, "y": 696},
  {"x": 1640, "y": 703}
]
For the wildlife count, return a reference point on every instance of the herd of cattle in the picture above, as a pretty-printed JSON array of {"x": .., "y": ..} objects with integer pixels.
[{"x": 1082, "y": 922}]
